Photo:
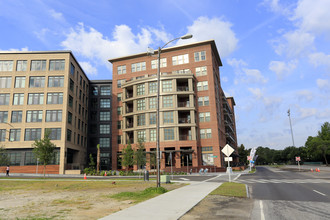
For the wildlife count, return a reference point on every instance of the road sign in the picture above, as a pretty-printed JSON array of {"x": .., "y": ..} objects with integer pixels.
[
  {"x": 214, "y": 156},
  {"x": 298, "y": 159},
  {"x": 227, "y": 150},
  {"x": 249, "y": 158},
  {"x": 228, "y": 158}
]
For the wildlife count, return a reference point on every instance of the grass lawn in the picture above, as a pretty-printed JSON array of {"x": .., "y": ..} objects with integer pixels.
[{"x": 230, "y": 189}]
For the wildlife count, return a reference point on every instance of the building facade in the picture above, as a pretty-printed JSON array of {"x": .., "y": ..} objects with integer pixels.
[
  {"x": 196, "y": 119},
  {"x": 39, "y": 91}
]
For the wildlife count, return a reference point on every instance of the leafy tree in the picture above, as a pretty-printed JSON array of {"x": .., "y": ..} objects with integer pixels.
[
  {"x": 320, "y": 145},
  {"x": 44, "y": 149},
  {"x": 98, "y": 158},
  {"x": 4, "y": 160},
  {"x": 128, "y": 156},
  {"x": 243, "y": 153},
  {"x": 140, "y": 154}
]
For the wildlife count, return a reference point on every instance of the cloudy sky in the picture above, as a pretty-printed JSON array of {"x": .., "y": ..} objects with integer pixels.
[{"x": 275, "y": 54}]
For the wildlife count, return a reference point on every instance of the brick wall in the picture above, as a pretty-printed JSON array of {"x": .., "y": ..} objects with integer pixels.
[{"x": 50, "y": 169}]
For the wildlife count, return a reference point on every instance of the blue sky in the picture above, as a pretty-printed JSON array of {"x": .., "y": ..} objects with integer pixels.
[{"x": 275, "y": 54}]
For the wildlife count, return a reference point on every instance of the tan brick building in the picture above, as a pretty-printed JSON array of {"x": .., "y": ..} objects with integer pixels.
[
  {"x": 38, "y": 91},
  {"x": 196, "y": 119}
]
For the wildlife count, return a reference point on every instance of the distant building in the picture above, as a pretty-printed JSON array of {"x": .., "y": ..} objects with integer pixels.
[{"x": 196, "y": 118}]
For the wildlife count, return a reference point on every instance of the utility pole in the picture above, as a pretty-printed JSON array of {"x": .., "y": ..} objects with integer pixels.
[{"x": 291, "y": 127}]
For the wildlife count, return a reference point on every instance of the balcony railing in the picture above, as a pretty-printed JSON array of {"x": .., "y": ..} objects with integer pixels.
[
  {"x": 129, "y": 110},
  {"x": 183, "y": 104},
  {"x": 184, "y": 120},
  {"x": 129, "y": 95},
  {"x": 129, "y": 125},
  {"x": 182, "y": 88},
  {"x": 185, "y": 137}
]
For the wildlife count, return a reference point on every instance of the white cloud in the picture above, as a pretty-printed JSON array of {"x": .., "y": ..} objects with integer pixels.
[
  {"x": 88, "y": 68},
  {"x": 318, "y": 59},
  {"x": 304, "y": 95},
  {"x": 323, "y": 84},
  {"x": 256, "y": 92},
  {"x": 56, "y": 15},
  {"x": 224, "y": 79},
  {"x": 216, "y": 28},
  {"x": 253, "y": 76},
  {"x": 276, "y": 7},
  {"x": 313, "y": 16},
  {"x": 282, "y": 69},
  {"x": 14, "y": 49},
  {"x": 307, "y": 112}
]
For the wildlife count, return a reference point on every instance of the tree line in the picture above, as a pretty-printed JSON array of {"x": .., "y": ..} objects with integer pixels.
[{"x": 316, "y": 149}]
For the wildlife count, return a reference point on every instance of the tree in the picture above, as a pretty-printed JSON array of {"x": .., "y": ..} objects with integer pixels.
[
  {"x": 44, "y": 149},
  {"x": 98, "y": 159},
  {"x": 320, "y": 145},
  {"x": 4, "y": 160},
  {"x": 140, "y": 155},
  {"x": 128, "y": 156},
  {"x": 243, "y": 153}
]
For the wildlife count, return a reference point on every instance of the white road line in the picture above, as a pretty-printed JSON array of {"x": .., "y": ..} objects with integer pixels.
[
  {"x": 262, "y": 215},
  {"x": 184, "y": 179},
  {"x": 237, "y": 177},
  {"x": 212, "y": 178},
  {"x": 319, "y": 192}
]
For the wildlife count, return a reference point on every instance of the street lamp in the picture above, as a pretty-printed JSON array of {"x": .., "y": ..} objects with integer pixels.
[
  {"x": 291, "y": 127},
  {"x": 184, "y": 37}
]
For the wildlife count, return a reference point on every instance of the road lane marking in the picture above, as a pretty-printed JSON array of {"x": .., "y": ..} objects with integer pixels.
[
  {"x": 237, "y": 177},
  {"x": 184, "y": 179},
  {"x": 319, "y": 192},
  {"x": 262, "y": 215}
]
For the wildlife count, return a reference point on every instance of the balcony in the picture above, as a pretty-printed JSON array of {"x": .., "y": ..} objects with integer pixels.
[
  {"x": 183, "y": 104},
  {"x": 184, "y": 137},
  {"x": 184, "y": 120},
  {"x": 182, "y": 88}
]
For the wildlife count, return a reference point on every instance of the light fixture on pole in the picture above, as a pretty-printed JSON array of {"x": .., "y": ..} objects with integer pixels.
[
  {"x": 291, "y": 127},
  {"x": 150, "y": 52}
]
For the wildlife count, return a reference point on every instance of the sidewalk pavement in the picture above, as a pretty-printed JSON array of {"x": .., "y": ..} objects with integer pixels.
[{"x": 168, "y": 206}]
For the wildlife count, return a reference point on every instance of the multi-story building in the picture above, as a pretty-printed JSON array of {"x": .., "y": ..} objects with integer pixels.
[
  {"x": 99, "y": 126},
  {"x": 39, "y": 91},
  {"x": 196, "y": 118}
]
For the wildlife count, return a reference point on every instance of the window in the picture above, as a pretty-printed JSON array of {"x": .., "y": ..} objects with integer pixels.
[
  {"x": 140, "y": 89},
  {"x": 199, "y": 56},
  {"x": 119, "y": 139},
  {"x": 153, "y": 103},
  {"x": 5, "y": 82},
  {"x": 119, "y": 95},
  {"x": 55, "y": 98},
  {"x": 95, "y": 90},
  {"x": 70, "y": 118},
  {"x": 167, "y": 85},
  {"x": 70, "y": 101},
  {"x": 121, "y": 69},
  {"x": 6, "y": 65},
  {"x": 16, "y": 116},
  {"x": 104, "y": 116},
  {"x": 167, "y": 101},
  {"x": 105, "y": 129},
  {"x": 34, "y": 116},
  {"x": 3, "y": 117},
  {"x": 204, "y": 117},
  {"x": 207, "y": 149},
  {"x": 169, "y": 134},
  {"x": 53, "y": 115},
  {"x": 20, "y": 82},
  {"x": 201, "y": 71},
  {"x": 181, "y": 59},
  {"x": 152, "y": 87},
  {"x": 119, "y": 124},
  {"x": 153, "y": 134},
  {"x": 68, "y": 134},
  {"x": 136, "y": 67},
  {"x": 56, "y": 65},
  {"x": 71, "y": 85},
  {"x": 141, "y": 104},
  {"x": 38, "y": 65},
  {"x": 141, "y": 135},
  {"x": 105, "y": 142},
  {"x": 119, "y": 110},
  {"x": 184, "y": 71},
  {"x": 3, "y": 135},
  {"x": 205, "y": 133},
  {"x": 56, "y": 81},
  {"x": 168, "y": 117},
  {"x": 21, "y": 65},
  {"x": 201, "y": 86},
  {"x": 203, "y": 101},
  {"x": 18, "y": 99},
  {"x": 80, "y": 80},
  {"x": 105, "y": 90},
  {"x": 152, "y": 118},
  {"x": 32, "y": 134},
  {"x": 120, "y": 82},
  {"x": 154, "y": 63},
  {"x": 36, "y": 98},
  {"x": 15, "y": 135},
  {"x": 55, "y": 133},
  {"x": 72, "y": 69},
  {"x": 141, "y": 120},
  {"x": 105, "y": 103},
  {"x": 4, "y": 99},
  {"x": 37, "y": 82}
]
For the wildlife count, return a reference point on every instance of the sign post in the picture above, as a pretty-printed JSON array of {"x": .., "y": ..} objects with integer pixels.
[
  {"x": 228, "y": 150},
  {"x": 298, "y": 160}
]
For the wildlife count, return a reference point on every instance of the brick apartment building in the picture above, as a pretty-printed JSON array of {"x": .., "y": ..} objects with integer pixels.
[{"x": 196, "y": 118}]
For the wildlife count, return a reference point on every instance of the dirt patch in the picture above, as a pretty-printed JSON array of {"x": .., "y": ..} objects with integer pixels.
[
  {"x": 221, "y": 207},
  {"x": 77, "y": 200}
]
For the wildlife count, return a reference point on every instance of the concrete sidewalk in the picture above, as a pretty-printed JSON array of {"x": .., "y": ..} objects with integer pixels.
[{"x": 168, "y": 206}]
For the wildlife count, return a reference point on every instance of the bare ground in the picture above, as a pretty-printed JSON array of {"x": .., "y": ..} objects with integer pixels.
[{"x": 66, "y": 202}]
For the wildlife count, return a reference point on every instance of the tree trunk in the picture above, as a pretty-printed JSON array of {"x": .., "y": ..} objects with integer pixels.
[
  {"x": 325, "y": 158},
  {"x": 98, "y": 159},
  {"x": 44, "y": 170}
]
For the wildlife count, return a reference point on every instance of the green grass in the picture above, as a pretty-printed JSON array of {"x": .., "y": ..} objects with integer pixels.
[
  {"x": 140, "y": 195},
  {"x": 230, "y": 189},
  {"x": 253, "y": 170}
]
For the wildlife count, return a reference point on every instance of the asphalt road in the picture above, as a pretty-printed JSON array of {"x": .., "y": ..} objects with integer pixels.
[{"x": 285, "y": 194}]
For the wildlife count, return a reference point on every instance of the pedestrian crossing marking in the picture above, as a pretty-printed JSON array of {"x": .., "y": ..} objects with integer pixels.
[{"x": 293, "y": 181}]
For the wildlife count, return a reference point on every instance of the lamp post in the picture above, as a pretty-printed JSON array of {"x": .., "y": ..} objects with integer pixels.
[
  {"x": 291, "y": 127},
  {"x": 187, "y": 36}
]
